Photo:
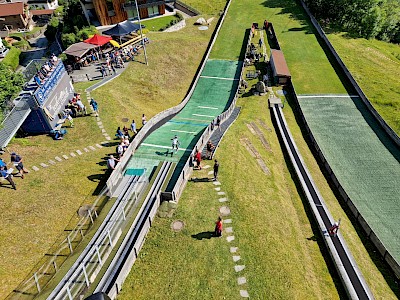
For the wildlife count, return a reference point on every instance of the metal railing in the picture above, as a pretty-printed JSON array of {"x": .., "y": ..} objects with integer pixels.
[
  {"x": 51, "y": 263},
  {"x": 91, "y": 260}
]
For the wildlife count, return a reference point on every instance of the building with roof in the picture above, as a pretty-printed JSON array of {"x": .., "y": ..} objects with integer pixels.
[
  {"x": 14, "y": 15},
  {"x": 109, "y": 12},
  {"x": 279, "y": 67},
  {"x": 42, "y": 4}
]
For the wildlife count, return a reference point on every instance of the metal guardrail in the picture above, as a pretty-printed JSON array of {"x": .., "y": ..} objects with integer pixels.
[
  {"x": 51, "y": 263},
  {"x": 90, "y": 261},
  {"x": 127, "y": 253},
  {"x": 351, "y": 276}
]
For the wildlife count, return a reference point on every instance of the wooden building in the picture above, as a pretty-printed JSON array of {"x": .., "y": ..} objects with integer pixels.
[
  {"x": 14, "y": 15},
  {"x": 280, "y": 69},
  {"x": 115, "y": 11}
]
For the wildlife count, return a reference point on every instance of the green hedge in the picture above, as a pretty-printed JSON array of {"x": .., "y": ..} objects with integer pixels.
[{"x": 12, "y": 58}]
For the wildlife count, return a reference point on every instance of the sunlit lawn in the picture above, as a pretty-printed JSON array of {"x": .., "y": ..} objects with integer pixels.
[{"x": 47, "y": 201}]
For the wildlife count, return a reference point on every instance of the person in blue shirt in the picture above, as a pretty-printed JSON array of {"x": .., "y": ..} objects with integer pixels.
[
  {"x": 95, "y": 106},
  {"x": 3, "y": 164},
  {"x": 7, "y": 176}
]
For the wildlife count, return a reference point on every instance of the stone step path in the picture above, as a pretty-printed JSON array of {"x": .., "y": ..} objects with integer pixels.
[
  {"x": 225, "y": 211},
  {"x": 98, "y": 120},
  {"x": 58, "y": 159}
]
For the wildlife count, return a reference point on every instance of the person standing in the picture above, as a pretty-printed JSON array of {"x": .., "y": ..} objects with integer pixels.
[
  {"x": 112, "y": 162},
  {"x": 218, "y": 227},
  {"x": 219, "y": 122},
  {"x": 175, "y": 144},
  {"x": 216, "y": 168},
  {"x": 95, "y": 106},
  {"x": 7, "y": 176},
  {"x": 133, "y": 127},
  {"x": 198, "y": 159},
  {"x": 210, "y": 149},
  {"x": 17, "y": 160},
  {"x": 260, "y": 42},
  {"x": 144, "y": 119}
]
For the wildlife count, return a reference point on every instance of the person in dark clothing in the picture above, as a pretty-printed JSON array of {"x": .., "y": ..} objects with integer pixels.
[
  {"x": 218, "y": 227},
  {"x": 216, "y": 167},
  {"x": 17, "y": 160},
  {"x": 219, "y": 122}
]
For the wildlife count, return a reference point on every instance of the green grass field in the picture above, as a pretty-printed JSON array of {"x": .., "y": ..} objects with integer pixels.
[
  {"x": 46, "y": 202},
  {"x": 376, "y": 67}
]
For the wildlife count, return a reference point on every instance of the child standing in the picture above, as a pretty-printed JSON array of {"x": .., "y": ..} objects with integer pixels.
[{"x": 218, "y": 227}]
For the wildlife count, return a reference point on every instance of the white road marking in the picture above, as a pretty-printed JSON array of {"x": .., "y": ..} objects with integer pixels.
[
  {"x": 328, "y": 96},
  {"x": 203, "y": 116},
  {"x": 165, "y": 147},
  {"x": 208, "y": 107},
  {"x": 194, "y": 132},
  {"x": 220, "y": 78}
]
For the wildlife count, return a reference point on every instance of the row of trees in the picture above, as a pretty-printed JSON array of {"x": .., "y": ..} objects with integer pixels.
[
  {"x": 378, "y": 19},
  {"x": 73, "y": 25}
]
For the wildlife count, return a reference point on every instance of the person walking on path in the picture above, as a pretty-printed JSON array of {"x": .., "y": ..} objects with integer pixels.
[
  {"x": 133, "y": 127},
  {"x": 17, "y": 160},
  {"x": 144, "y": 119},
  {"x": 219, "y": 122},
  {"x": 95, "y": 107},
  {"x": 218, "y": 227},
  {"x": 175, "y": 144},
  {"x": 210, "y": 149},
  {"x": 7, "y": 176},
  {"x": 216, "y": 167}
]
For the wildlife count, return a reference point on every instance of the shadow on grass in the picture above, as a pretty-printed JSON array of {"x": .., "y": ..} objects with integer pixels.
[
  {"x": 204, "y": 179},
  {"x": 375, "y": 256},
  {"x": 203, "y": 235},
  {"x": 295, "y": 12}
]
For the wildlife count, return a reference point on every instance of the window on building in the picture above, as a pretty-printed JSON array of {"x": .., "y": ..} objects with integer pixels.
[
  {"x": 132, "y": 13},
  {"x": 110, "y": 8},
  {"x": 153, "y": 11}
]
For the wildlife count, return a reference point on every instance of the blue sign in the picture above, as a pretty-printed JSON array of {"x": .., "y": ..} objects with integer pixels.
[{"x": 43, "y": 92}]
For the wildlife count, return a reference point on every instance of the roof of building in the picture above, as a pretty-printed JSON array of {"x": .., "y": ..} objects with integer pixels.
[
  {"x": 79, "y": 49},
  {"x": 11, "y": 9},
  {"x": 279, "y": 62},
  {"x": 39, "y": 12}
]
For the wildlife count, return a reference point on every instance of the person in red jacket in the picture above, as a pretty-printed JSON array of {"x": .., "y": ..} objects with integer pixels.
[
  {"x": 218, "y": 227},
  {"x": 198, "y": 159}
]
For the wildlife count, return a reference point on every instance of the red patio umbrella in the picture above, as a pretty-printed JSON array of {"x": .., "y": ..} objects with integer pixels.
[{"x": 98, "y": 40}]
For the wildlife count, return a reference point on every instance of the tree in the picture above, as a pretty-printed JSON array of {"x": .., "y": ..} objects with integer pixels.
[{"x": 11, "y": 83}]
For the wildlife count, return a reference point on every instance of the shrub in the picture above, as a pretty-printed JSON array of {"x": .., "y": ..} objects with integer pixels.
[
  {"x": 68, "y": 39},
  {"x": 12, "y": 58}
]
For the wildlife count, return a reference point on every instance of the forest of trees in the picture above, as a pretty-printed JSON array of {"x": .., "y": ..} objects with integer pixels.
[{"x": 378, "y": 19}]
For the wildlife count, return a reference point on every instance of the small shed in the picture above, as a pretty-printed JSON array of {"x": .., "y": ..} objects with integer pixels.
[{"x": 279, "y": 67}]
